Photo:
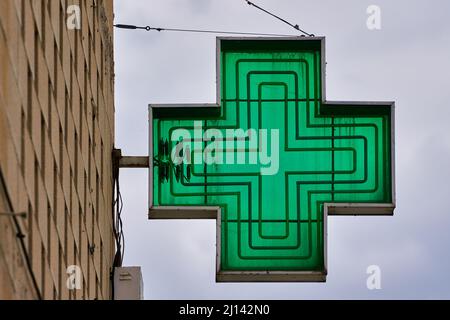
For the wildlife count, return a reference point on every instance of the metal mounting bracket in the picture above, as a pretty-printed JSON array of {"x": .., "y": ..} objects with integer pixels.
[
  {"x": 134, "y": 162},
  {"x": 120, "y": 161}
]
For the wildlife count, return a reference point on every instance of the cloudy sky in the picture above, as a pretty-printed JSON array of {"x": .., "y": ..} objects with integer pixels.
[{"x": 407, "y": 61}]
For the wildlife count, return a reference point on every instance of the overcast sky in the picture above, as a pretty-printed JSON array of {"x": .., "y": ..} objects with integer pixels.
[{"x": 407, "y": 61}]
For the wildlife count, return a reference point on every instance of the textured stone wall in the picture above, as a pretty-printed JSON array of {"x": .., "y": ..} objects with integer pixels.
[{"x": 56, "y": 139}]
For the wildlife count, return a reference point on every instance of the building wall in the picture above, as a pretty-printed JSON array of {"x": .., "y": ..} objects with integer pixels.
[{"x": 56, "y": 140}]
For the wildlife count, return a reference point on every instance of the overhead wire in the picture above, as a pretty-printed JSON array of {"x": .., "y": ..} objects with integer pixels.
[
  {"x": 161, "y": 29},
  {"x": 295, "y": 26}
]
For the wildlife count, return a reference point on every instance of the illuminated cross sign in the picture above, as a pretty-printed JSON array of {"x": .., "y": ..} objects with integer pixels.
[{"x": 271, "y": 159}]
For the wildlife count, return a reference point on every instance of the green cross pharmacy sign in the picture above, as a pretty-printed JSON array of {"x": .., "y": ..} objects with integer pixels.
[{"x": 271, "y": 160}]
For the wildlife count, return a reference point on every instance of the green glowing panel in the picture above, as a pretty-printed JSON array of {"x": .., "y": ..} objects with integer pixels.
[{"x": 274, "y": 157}]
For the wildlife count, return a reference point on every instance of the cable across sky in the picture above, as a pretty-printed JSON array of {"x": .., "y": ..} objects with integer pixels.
[{"x": 160, "y": 29}]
